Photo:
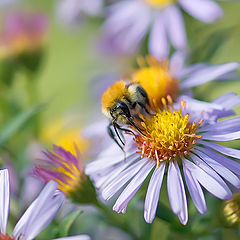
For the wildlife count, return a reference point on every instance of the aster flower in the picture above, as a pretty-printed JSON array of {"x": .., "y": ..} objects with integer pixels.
[
  {"x": 130, "y": 20},
  {"x": 22, "y": 32},
  {"x": 67, "y": 170},
  {"x": 172, "y": 140},
  {"x": 72, "y": 12}
]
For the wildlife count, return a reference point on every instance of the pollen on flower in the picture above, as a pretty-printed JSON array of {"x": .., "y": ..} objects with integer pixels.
[
  {"x": 6, "y": 237},
  {"x": 156, "y": 79},
  {"x": 159, "y": 3},
  {"x": 168, "y": 134}
]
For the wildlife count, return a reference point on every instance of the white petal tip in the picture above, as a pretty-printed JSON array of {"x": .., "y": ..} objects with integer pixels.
[{"x": 147, "y": 217}]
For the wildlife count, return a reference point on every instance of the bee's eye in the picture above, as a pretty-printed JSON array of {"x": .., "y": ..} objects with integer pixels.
[{"x": 124, "y": 108}]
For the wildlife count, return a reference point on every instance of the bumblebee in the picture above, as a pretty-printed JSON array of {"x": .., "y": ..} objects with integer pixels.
[{"x": 122, "y": 103}]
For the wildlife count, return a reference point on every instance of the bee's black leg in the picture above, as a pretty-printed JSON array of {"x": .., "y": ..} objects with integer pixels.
[
  {"x": 125, "y": 129},
  {"x": 116, "y": 131},
  {"x": 112, "y": 135}
]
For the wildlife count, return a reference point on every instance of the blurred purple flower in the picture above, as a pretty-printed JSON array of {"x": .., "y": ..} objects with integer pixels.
[
  {"x": 130, "y": 20},
  {"x": 22, "y": 31},
  {"x": 72, "y": 12},
  {"x": 180, "y": 140},
  {"x": 38, "y": 215}
]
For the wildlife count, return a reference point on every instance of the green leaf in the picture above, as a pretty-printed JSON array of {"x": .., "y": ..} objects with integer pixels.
[
  {"x": 17, "y": 123},
  {"x": 67, "y": 222}
]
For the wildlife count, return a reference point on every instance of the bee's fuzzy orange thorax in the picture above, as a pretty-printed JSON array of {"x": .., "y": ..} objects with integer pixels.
[{"x": 112, "y": 94}]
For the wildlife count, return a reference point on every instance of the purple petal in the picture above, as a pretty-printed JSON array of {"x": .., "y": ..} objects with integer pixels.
[
  {"x": 77, "y": 237},
  {"x": 187, "y": 70},
  {"x": 4, "y": 199},
  {"x": 209, "y": 73},
  {"x": 219, "y": 168},
  {"x": 176, "y": 192},
  {"x": 122, "y": 179},
  {"x": 40, "y": 213},
  {"x": 235, "y": 153},
  {"x": 133, "y": 187},
  {"x": 194, "y": 187},
  {"x": 127, "y": 25},
  {"x": 221, "y": 137},
  {"x": 176, "y": 63},
  {"x": 228, "y": 100},
  {"x": 176, "y": 29},
  {"x": 204, "y": 10},
  {"x": 152, "y": 196},
  {"x": 209, "y": 179},
  {"x": 158, "y": 43},
  {"x": 112, "y": 155},
  {"x": 232, "y": 124},
  {"x": 227, "y": 162},
  {"x": 112, "y": 174}
]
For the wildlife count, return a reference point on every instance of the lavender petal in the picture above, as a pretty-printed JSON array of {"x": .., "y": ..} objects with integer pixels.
[
  {"x": 122, "y": 179},
  {"x": 230, "y": 125},
  {"x": 232, "y": 165},
  {"x": 40, "y": 213},
  {"x": 204, "y": 10},
  {"x": 176, "y": 28},
  {"x": 77, "y": 237},
  {"x": 176, "y": 192},
  {"x": 235, "y": 153},
  {"x": 209, "y": 179},
  {"x": 221, "y": 137},
  {"x": 219, "y": 168},
  {"x": 158, "y": 43},
  {"x": 4, "y": 199},
  {"x": 152, "y": 196},
  {"x": 209, "y": 73},
  {"x": 133, "y": 187},
  {"x": 194, "y": 187}
]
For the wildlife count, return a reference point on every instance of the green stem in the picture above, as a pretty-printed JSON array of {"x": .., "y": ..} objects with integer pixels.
[
  {"x": 116, "y": 221},
  {"x": 32, "y": 94}
]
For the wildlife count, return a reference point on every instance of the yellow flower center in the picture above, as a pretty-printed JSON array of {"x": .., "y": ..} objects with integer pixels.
[
  {"x": 72, "y": 177},
  {"x": 64, "y": 136},
  {"x": 167, "y": 135},
  {"x": 156, "y": 80},
  {"x": 159, "y": 3}
]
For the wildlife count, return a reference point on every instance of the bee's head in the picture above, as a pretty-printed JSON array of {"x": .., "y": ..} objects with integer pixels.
[{"x": 120, "y": 110}]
